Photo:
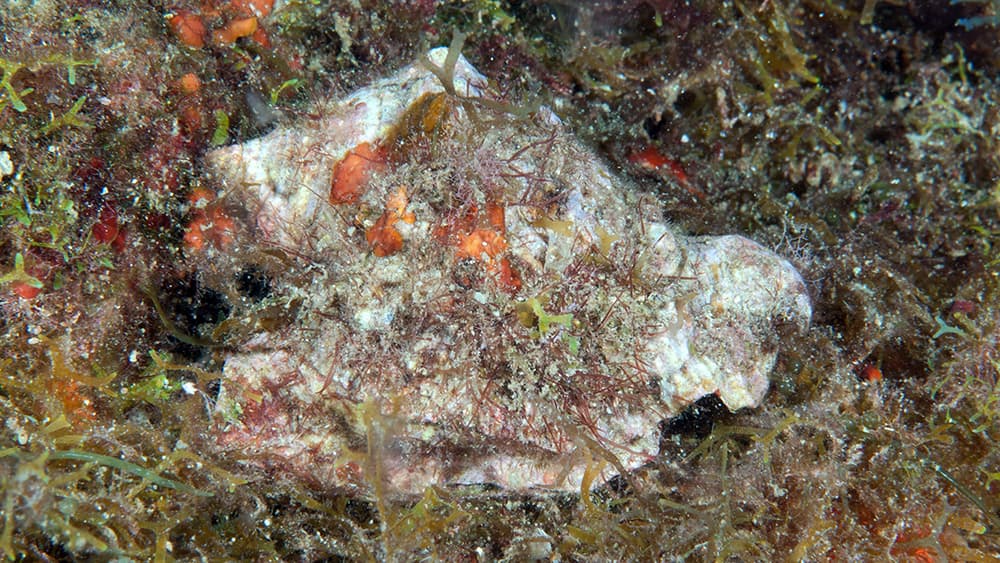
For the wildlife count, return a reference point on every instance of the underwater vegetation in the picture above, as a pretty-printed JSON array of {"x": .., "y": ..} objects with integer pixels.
[{"x": 857, "y": 138}]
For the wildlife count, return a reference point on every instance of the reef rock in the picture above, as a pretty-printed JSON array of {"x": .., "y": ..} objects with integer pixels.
[{"x": 478, "y": 298}]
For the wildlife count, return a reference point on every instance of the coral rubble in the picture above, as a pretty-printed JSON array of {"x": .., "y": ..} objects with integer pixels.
[{"x": 518, "y": 314}]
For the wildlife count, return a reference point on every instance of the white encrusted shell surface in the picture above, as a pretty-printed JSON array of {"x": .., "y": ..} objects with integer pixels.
[{"x": 398, "y": 369}]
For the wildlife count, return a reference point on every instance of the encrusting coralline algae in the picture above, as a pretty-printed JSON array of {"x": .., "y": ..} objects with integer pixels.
[{"x": 485, "y": 301}]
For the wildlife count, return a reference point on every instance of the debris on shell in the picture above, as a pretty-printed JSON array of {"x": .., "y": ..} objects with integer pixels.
[{"x": 485, "y": 301}]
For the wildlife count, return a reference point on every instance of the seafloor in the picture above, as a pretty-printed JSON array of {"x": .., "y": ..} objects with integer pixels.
[{"x": 857, "y": 138}]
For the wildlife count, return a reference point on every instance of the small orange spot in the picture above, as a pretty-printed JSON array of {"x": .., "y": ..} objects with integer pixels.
[
  {"x": 397, "y": 203},
  {"x": 383, "y": 237},
  {"x": 74, "y": 401},
  {"x": 508, "y": 278},
  {"x": 653, "y": 160},
  {"x": 233, "y": 30},
  {"x": 25, "y": 291},
  {"x": 189, "y": 28},
  {"x": 200, "y": 196},
  {"x": 209, "y": 223},
  {"x": 480, "y": 242},
  {"x": 261, "y": 38},
  {"x": 222, "y": 227},
  {"x": 194, "y": 237},
  {"x": 481, "y": 236},
  {"x": 351, "y": 175},
  {"x": 189, "y": 83},
  {"x": 872, "y": 374}
]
